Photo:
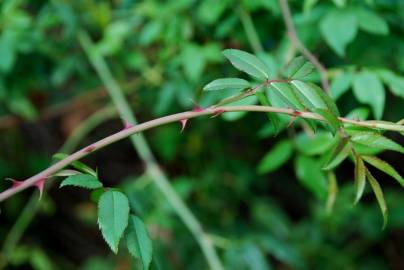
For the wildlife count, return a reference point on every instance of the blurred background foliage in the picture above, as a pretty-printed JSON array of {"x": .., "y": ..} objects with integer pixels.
[{"x": 261, "y": 198}]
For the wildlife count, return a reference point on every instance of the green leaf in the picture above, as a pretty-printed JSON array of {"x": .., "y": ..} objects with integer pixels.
[
  {"x": 340, "y": 84},
  {"x": 76, "y": 164},
  {"x": 360, "y": 178},
  {"x": 339, "y": 28},
  {"x": 113, "y": 213},
  {"x": 334, "y": 123},
  {"x": 227, "y": 84},
  {"x": 193, "y": 61},
  {"x": 394, "y": 82},
  {"x": 319, "y": 143},
  {"x": 385, "y": 167},
  {"x": 138, "y": 241},
  {"x": 82, "y": 180},
  {"x": 287, "y": 94},
  {"x": 332, "y": 192},
  {"x": 276, "y": 157},
  {"x": 299, "y": 68},
  {"x": 310, "y": 175},
  {"x": 379, "y": 196},
  {"x": 315, "y": 97},
  {"x": 338, "y": 154},
  {"x": 273, "y": 117},
  {"x": 368, "y": 89},
  {"x": 371, "y": 22},
  {"x": 376, "y": 140},
  {"x": 248, "y": 63}
]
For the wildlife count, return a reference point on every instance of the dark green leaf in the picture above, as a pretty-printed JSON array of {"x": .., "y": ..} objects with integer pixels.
[
  {"x": 369, "y": 90},
  {"x": 315, "y": 97},
  {"x": 227, "y": 84},
  {"x": 339, "y": 28},
  {"x": 138, "y": 241},
  {"x": 379, "y": 196},
  {"x": 376, "y": 140},
  {"x": 273, "y": 117},
  {"x": 360, "y": 178},
  {"x": 276, "y": 157},
  {"x": 113, "y": 214},
  {"x": 299, "y": 68},
  {"x": 248, "y": 63},
  {"x": 385, "y": 167},
  {"x": 82, "y": 180},
  {"x": 338, "y": 154}
]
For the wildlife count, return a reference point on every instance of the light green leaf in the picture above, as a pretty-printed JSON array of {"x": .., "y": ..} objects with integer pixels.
[
  {"x": 299, "y": 68},
  {"x": 113, "y": 214},
  {"x": 361, "y": 113},
  {"x": 395, "y": 82},
  {"x": 385, "y": 167},
  {"x": 360, "y": 178},
  {"x": 338, "y": 154},
  {"x": 82, "y": 180},
  {"x": 332, "y": 192},
  {"x": 276, "y": 157},
  {"x": 227, "y": 84},
  {"x": 193, "y": 61},
  {"x": 248, "y": 63},
  {"x": 369, "y": 90},
  {"x": 138, "y": 241},
  {"x": 315, "y": 98},
  {"x": 273, "y": 117},
  {"x": 320, "y": 142},
  {"x": 371, "y": 22},
  {"x": 379, "y": 196},
  {"x": 376, "y": 140},
  {"x": 287, "y": 94},
  {"x": 76, "y": 164},
  {"x": 332, "y": 120},
  {"x": 340, "y": 84},
  {"x": 339, "y": 28},
  {"x": 311, "y": 176}
]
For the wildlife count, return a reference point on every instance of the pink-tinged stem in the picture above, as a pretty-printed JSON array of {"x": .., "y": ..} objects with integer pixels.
[{"x": 126, "y": 132}]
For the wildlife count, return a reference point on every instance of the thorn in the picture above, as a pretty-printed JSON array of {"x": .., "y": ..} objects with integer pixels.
[
  {"x": 183, "y": 124},
  {"x": 127, "y": 125},
  {"x": 292, "y": 119},
  {"x": 217, "y": 113},
  {"x": 197, "y": 108},
  {"x": 89, "y": 149},
  {"x": 296, "y": 113},
  {"x": 15, "y": 183},
  {"x": 40, "y": 185}
]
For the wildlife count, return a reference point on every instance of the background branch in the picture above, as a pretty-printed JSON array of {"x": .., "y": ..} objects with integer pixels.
[
  {"x": 287, "y": 17},
  {"x": 143, "y": 149}
]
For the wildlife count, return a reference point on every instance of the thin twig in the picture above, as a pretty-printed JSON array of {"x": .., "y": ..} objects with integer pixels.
[
  {"x": 287, "y": 17},
  {"x": 176, "y": 118}
]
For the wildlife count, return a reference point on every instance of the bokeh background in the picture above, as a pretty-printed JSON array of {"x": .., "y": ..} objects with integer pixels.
[{"x": 161, "y": 54}]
